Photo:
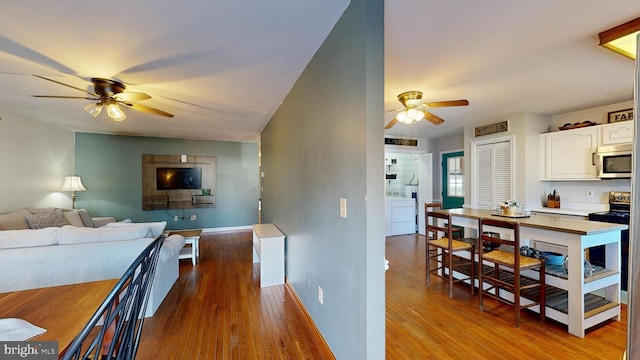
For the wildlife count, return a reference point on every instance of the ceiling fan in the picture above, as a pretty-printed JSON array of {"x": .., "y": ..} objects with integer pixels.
[
  {"x": 108, "y": 94},
  {"x": 414, "y": 109}
]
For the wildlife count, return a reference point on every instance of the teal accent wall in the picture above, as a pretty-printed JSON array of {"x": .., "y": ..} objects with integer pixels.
[
  {"x": 111, "y": 169},
  {"x": 311, "y": 159}
]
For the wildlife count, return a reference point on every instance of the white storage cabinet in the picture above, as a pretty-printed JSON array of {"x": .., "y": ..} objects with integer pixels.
[{"x": 268, "y": 250}]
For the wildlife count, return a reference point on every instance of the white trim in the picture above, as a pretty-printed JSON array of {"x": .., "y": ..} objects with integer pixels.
[{"x": 230, "y": 228}]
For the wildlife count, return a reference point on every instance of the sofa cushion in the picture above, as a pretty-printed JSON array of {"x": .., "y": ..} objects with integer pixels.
[
  {"x": 14, "y": 220},
  {"x": 73, "y": 218},
  {"x": 10, "y": 239},
  {"x": 79, "y": 235},
  {"x": 156, "y": 227},
  {"x": 46, "y": 219}
]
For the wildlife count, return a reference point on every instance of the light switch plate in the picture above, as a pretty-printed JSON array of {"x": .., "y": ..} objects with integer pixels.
[{"x": 343, "y": 207}]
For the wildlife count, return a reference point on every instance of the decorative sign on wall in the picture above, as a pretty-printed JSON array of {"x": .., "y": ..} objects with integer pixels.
[
  {"x": 498, "y": 127},
  {"x": 402, "y": 142},
  {"x": 620, "y": 115}
]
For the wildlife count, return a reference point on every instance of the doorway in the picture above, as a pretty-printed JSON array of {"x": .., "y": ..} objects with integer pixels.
[{"x": 453, "y": 180}]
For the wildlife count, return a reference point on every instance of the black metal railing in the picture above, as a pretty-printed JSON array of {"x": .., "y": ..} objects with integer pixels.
[{"x": 122, "y": 313}]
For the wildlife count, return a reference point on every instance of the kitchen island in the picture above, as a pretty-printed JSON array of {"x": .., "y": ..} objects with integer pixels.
[{"x": 587, "y": 301}]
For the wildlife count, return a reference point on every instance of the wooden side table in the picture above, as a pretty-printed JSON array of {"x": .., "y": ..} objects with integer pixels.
[{"x": 191, "y": 249}]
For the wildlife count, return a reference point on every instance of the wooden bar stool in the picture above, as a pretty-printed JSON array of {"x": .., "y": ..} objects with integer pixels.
[
  {"x": 441, "y": 249},
  {"x": 457, "y": 231},
  {"x": 507, "y": 267}
]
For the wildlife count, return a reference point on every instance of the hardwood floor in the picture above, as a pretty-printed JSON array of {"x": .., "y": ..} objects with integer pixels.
[
  {"x": 424, "y": 323},
  {"x": 217, "y": 310}
]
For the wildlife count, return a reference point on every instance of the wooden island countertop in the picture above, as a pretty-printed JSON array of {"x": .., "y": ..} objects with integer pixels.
[{"x": 545, "y": 222}]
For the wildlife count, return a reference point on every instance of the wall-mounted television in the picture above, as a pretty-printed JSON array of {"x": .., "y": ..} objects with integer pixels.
[{"x": 172, "y": 178}]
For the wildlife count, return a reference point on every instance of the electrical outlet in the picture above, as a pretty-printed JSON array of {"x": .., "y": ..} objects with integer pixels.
[
  {"x": 320, "y": 295},
  {"x": 175, "y": 218},
  {"x": 193, "y": 217},
  {"x": 589, "y": 193}
]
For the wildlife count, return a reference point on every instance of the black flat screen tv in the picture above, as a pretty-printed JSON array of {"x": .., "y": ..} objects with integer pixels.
[{"x": 178, "y": 178}]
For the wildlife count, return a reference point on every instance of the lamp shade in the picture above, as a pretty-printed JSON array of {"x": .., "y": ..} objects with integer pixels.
[{"x": 73, "y": 183}]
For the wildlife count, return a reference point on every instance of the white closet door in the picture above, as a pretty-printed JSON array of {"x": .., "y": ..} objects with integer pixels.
[{"x": 493, "y": 178}]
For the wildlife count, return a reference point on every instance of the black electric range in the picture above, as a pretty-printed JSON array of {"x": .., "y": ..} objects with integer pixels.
[{"x": 619, "y": 213}]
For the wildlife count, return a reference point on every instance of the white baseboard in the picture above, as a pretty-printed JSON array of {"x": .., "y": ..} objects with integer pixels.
[{"x": 230, "y": 228}]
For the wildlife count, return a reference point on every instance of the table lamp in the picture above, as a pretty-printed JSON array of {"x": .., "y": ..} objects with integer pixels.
[{"x": 73, "y": 183}]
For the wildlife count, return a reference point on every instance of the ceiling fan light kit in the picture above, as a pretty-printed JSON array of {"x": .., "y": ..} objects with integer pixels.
[
  {"x": 93, "y": 109},
  {"x": 115, "y": 113},
  {"x": 108, "y": 93},
  {"x": 410, "y": 116},
  {"x": 414, "y": 109}
]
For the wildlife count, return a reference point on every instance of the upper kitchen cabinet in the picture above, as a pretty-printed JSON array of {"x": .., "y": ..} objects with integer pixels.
[
  {"x": 569, "y": 154},
  {"x": 616, "y": 133}
]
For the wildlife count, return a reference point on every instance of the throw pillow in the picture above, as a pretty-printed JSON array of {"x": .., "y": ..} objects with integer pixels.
[
  {"x": 73, "y": 218},
  {"x": 14, "y": 220},
  {"x": 86, "y": 218},
  {"x": 46, "y": 219}
]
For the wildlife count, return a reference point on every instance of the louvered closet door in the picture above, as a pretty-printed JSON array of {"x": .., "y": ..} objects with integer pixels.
[{"x": 493, "y": 178}]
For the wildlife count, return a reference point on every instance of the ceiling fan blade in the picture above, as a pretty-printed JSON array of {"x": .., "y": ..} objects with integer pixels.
[
  {"x": 395, "y": 110},
  {"x": 67, "y": 85},
  {"x": 131, "y": 96},
  {"x": 447, "y": 103},
  {"x": 391, "y": 123},
  {"x": 148, "y": 109},
  {"x": 433, "y": 118},
  {"x": 65, "y": 97}
]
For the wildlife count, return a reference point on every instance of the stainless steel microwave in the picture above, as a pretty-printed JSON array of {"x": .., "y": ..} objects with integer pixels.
[{"x": 614, "y": 162}]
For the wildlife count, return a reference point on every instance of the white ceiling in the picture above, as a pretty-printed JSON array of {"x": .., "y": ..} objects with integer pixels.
[{"x": 223, "y": 68}]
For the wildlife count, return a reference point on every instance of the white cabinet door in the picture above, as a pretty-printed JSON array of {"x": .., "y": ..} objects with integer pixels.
[
  {"x": 569, "y": 154},
  {"x": 616, "y": 133}
]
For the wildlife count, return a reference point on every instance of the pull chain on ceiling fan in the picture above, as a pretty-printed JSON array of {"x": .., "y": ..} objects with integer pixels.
[
  {"x": 108, "y": 94},
  {"x": 415, "y": 110}
]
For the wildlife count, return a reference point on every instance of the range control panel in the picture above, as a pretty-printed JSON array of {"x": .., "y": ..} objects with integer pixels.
[{"x": 619, "y": 197}]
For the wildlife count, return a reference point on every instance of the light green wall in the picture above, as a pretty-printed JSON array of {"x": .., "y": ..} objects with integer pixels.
[
  {"x": 326, "y": 142},
  {"x": 111, "y": 168},
  {"x": 35, "y": 158}
]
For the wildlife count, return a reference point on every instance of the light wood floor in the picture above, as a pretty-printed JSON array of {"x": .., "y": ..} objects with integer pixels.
[
  {"x": 217, "y": 310},
  {"x": 424, "y": 323}
]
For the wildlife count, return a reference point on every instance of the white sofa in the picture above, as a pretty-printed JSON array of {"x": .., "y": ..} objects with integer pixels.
[{"x": 52, "y": 256}]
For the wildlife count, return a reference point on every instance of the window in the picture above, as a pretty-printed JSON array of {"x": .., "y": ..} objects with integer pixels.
[{"x": 455, "y": 176}]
